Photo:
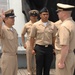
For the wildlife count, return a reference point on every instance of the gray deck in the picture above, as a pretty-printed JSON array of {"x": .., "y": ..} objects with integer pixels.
[{"x": 24, "y": 72}]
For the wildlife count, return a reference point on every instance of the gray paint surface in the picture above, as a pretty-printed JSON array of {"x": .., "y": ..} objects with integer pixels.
[{"x": 3, "y": 4}]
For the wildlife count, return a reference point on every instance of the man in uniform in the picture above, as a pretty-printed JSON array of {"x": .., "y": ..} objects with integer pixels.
[
  {"x": 65, "y": 41},
  {"x": 31, "y": 67},
  {"x": 44, "y": 32},
  {"x": 9, "y": 43}
]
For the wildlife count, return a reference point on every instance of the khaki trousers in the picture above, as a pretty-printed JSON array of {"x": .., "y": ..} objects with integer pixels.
[
  {"x": 69, "y": 65},
  {"x": 9, "y": 64},
  {"x": 31, "y": 65}
]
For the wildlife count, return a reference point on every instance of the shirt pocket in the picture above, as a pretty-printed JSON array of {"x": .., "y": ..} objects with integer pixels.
[
  {"x": 40, "y": 34},
  {"x": 29, "y": 29},
  {"x": 49, "y": 30},
  {"x": 10, "y": 35}
]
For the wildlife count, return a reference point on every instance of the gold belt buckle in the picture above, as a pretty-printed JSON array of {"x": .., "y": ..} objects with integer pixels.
[{"x": 46, "y": 45}]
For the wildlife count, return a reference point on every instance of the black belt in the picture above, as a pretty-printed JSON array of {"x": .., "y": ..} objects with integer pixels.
[{"x": 44, "y": 45}]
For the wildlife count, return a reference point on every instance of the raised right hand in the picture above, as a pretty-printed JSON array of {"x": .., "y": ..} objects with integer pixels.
[{"x": 2, "y": 16}]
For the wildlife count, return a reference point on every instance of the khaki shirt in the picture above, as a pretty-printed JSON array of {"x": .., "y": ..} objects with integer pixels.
[
  {"x": 58, "y": 23},
  {"x": 43, "y": 34},
  {"x": 9, "y": 39},
  {"x": 27, "y": 29},
  {"x": 66, "y": 34}
]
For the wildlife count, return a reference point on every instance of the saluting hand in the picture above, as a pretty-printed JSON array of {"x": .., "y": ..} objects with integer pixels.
[{"x": 2, "y": 16}]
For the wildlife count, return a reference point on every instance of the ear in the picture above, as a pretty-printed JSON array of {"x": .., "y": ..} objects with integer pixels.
[{"x": 5, "y": 18}]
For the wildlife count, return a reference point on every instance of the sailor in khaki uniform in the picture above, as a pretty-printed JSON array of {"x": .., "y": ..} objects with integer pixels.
[
  {"x": 9, "y": 43},
  {"x": 31, "y": 67},
  {"x": 44, "y": 32},
  {"x": 65, "y": 41}
]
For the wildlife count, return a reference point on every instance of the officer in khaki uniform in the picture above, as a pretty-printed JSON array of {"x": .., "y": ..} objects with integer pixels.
[
  {"x": 31, "y": 67},
  {"x": 9, "y": 43},
  {"x": 44, "y": 32},
  {"x": 65, "y": 41}
]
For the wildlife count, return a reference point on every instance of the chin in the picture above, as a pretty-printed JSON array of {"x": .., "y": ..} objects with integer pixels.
[{"x": 12, "y": 24}]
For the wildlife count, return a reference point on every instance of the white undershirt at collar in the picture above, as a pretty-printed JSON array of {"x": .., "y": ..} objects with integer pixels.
[{"x": 45, "y": 23}]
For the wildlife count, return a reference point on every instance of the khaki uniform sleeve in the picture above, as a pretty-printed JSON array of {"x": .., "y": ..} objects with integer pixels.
[
  {"x": 24, "y": 30},
  {"x": 33, "y": 31},
  {"x": 58, "y": 23},
  {"x": 54, "y": 31},
  {"x": 64, "y": 36},
  {"x": 1, "y": 33}
]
